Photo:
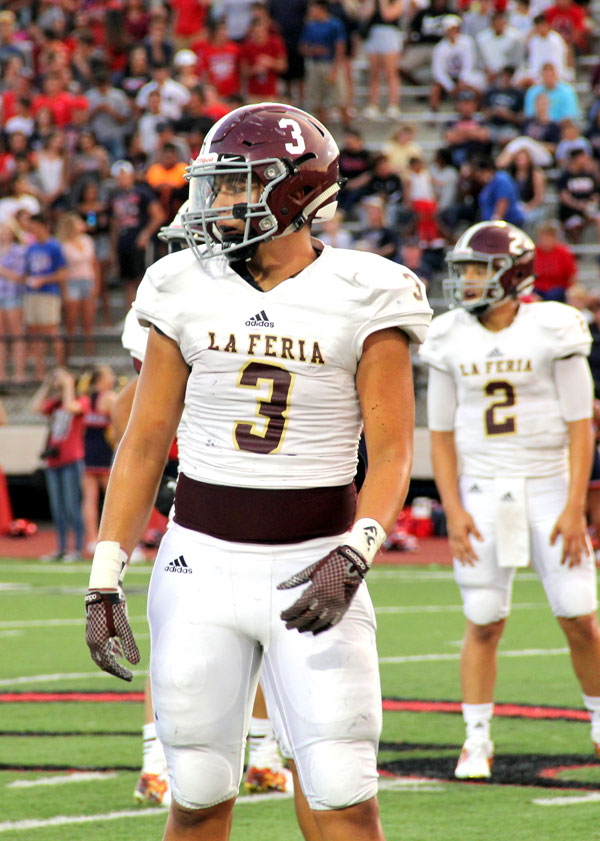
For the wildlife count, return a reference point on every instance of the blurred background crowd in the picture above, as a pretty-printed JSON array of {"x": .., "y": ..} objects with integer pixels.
[{"x": 446, "y": 112}]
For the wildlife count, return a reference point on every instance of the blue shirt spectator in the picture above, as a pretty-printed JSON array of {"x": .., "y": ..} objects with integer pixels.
[
  {"x": 499, "y": 196},
  {"x": 562, "y": 99},
  {"x": 321, "y": 34},
  {"x": 44, "y": 257}
]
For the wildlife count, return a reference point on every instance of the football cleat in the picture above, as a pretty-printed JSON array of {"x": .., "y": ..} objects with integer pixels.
[
  {"x": 261, "y": 780},
  {"x": 153, "y": 788},
  {"x": 475, "y": 760}
]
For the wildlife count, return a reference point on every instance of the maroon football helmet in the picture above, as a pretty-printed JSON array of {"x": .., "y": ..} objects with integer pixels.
[
  {"x": 278, "y": 165},
  {"x": 508, "y": 253}
]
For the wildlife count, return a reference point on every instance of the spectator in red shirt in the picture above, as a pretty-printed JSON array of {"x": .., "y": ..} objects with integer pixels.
[
  {"x": 219, "y": 59},
  {"x": 263, "y": 60},
  {"x": 569, "y": 20},
  {"x": 136, "y": 20},
  {"x": 63, "y": 454},
  {"x": 60, "y": 101},
  {"x": 554, "y": 265},
  {"x": 189, "y": 20}
]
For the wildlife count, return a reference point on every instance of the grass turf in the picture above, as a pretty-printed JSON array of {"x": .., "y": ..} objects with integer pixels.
[{"x": 420, "y": 625}]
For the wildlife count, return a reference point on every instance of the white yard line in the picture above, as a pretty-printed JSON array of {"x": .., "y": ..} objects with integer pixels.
[
  {"x": 578, "y": 800},
  {"x": 75, "y": 777},
  {"x": 65, "y": 820},
  {"x": 407, "y": 658},
  {"x": 54, "y": 623},
  {"x": 399, "y": 784},
  {"x": 426, "y": 608},
  {"x": 425, "y": 658},
  {"x": 14, "y": 681},
  {"x": 449, "y": 608}
]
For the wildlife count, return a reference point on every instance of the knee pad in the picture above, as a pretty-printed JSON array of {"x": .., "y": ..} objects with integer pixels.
[
  {"x": 200, "y": 777},
  {"x": 338, "y": 774},
  {"x": 572, "y": 595},
  {"x": 482, "y": 606}
]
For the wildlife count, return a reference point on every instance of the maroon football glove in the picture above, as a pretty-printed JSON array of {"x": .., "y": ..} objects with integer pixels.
[
  {"x": 106, "y": 619},
  {"x": 334, "y": 581}
]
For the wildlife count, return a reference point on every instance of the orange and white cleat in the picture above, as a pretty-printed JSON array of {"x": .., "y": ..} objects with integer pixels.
[
  {"x": 261, "y": 780},
  {"x": 153, "y": 788},
  {"x": 475, "y": 760}
]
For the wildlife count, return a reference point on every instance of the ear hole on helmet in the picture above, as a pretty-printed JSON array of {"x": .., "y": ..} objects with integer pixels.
[{"x": 307, "y": 156}]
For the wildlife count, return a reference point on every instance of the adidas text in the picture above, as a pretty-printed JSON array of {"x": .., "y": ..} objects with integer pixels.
[
  {"x": 261, "y": 319},
  {"x": 178, "y": 565}
]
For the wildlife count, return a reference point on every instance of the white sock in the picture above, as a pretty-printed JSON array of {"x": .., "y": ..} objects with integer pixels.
[
  {"x": 154, "y": 756},
  {"x": 478, "y": 718},
  {"x": 263, "y": 751},
  {"x": 592, "y": 705}
]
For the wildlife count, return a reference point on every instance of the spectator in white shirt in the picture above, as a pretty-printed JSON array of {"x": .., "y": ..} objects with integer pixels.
[
  {"x": 500, "y": 46},
  {"x": 173, "y": 95},
  {"x": 545, "y": 46},
  {"x": 477, "y": 17},
  {"x": 520, "y": 17},
  {"x": 453, "y": 64}
]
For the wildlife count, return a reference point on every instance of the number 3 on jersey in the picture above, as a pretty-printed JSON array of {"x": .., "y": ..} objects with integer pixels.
[
  {"x": 273, "y": 410},
  {"x": 505, "y": 424}
]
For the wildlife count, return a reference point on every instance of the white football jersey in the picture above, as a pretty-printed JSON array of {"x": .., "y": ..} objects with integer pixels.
[
  {"x": 273, "y": 373},
  {"x": 134, "y": 337},
  {"x": 508, "y": 418}
]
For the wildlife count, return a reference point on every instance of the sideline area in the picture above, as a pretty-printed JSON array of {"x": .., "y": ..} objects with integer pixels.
[{"x": 431, "y": 550}]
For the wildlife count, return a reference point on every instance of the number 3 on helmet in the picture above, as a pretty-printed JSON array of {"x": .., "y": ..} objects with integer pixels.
[
  {"x": 508, "y": 253},
  {"x": 279, "y": 164}
]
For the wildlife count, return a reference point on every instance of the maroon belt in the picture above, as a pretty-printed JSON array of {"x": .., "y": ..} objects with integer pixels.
[{"x": 252, "y": 515}]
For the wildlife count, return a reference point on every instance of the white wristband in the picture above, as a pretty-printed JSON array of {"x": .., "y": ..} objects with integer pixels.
[
  {"x": 108, "y": 563},
  {"x": 366, "y": 536}
]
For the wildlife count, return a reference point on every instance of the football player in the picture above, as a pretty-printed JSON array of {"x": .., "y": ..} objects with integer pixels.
[
  {"x": 510, "y": 401},
  {"x": 280, "y": 350},
  {"x": 266, "y": 772}
]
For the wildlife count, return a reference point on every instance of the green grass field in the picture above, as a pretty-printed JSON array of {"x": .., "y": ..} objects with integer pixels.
[{"x": 546, "y": 784}]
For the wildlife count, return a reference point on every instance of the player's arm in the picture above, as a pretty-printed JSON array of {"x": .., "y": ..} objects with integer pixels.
[
  {"x": 441, "y": 407},
  {"x": 121, "y": 409},
  {"x": 132, "y": 487},
  {"x": 385, "y": 391},
  {"x": 143, "y": 451},
  {"x": 575, "y": 393}
]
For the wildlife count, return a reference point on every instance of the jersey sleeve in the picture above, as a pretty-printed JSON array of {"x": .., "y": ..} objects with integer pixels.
[
  {"x": 134, "y": 337},
  {"x": 434, "y": 350},
  {"x": 394, "y": 297},
  {"x": 156, "y": 302},
  {"x": 567, "y": 329}
]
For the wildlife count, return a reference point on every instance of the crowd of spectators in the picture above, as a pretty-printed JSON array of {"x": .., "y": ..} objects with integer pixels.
[{"x": 104, "y": 103}]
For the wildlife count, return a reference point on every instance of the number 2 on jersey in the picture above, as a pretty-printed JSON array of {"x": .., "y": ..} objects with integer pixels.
[
  {"x": 503, "y": 425},
  {"x": 273, "y": 410}
]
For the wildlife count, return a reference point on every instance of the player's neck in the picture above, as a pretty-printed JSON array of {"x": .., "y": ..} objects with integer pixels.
[
  {"x": 279, "y": 259},
  {"x": 500, "y": 317}
]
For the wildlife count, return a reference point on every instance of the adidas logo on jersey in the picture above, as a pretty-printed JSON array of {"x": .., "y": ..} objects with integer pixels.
[
  {"x": 507, "y": 497},
  {"x": 261, "y": 319},
  {"x": 178, "y": 565},
  {"x": 474, "y": 489},
  {"x": 494, "y": 352}
]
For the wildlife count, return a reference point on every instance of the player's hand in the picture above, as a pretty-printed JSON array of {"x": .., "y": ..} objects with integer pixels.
[
  {"x": 106, "y": 619},
  {"x": 571, "y": 526},
  {"x": 333, "y": 582},
  {"x": 460, "y": 526}
]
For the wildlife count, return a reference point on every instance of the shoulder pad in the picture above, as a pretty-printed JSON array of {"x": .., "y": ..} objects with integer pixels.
[{"x": 570, "y": 333}]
